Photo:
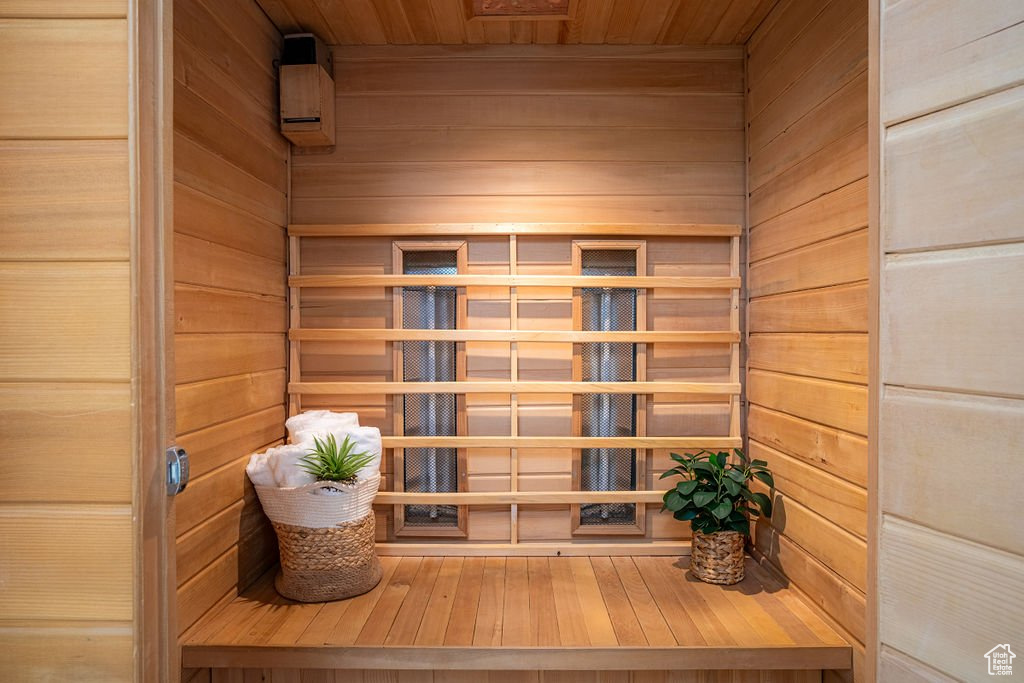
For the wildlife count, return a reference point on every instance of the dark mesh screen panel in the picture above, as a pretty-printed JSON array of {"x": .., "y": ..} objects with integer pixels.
[
  {"x": 608, "y": 415},
  {"x": 429, "y": 470}
]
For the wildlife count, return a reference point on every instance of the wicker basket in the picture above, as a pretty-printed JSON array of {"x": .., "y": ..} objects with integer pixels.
[
  {"x": 718, "y": 557},
  {"x": 326, "y": 539}
]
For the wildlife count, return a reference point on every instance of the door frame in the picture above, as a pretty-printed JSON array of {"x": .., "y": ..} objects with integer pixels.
[{"x": 150, "y": 31}]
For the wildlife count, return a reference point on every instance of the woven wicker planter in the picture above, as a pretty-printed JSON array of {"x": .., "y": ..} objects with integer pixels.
[
  {"x": 718, "y": 557},
  {"x": 326, "y": 539}
]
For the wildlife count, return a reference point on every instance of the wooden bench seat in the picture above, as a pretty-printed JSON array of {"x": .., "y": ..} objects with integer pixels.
[{"x": 523, "y": 614}]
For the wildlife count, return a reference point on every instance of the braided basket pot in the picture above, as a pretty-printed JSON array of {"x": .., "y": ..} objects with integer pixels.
[
  {"x": 326, "y": 541},
  {"x": 717, "y": 557}
]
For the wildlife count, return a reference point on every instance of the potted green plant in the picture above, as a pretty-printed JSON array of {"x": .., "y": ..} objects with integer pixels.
[
  {"x": 325, "y": 529},
  {"x": 715, "y": 498},
  {"x": 329, "y": 461}
]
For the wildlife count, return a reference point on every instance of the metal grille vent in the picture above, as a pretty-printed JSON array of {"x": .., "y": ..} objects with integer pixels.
[
  {"x": 430, "y": 470},
  {"x": 608, "y": 415}
]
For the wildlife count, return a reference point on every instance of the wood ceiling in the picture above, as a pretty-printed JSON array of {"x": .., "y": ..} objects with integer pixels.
[{"x": 428, "y": 22}]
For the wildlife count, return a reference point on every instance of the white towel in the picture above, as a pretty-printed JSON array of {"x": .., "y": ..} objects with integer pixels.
[
  {"x": 302, "y": 427},
  {"x": 284, "y": 463},
  {"x": 259, "y": 470}
]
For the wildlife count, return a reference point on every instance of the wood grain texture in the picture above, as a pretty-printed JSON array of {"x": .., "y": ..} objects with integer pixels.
[
  {"x": 278, "y": 675},
  {"x": 941, "y": 73},
  {"x": 932, "y": 423},
  {"x": 50, "y": 310},
  {"x": 430, "y": 135},
  {"x": 948, "y": 253},
  {"x": 93, "y": 653},
  {"x": 448, "y": 22},
  {"x": 516, "y": 626},
  {"x": 966, "y": 290},
  {"x": 984, "y": 604},
  {"x": 35, "y": 417},
  {"x": 231, "y": 174},
  {"x": 67, "y": 603},
  {"x": 37, "y": 558},
  {"x": 432, "y": 138},
  {"x": 807, "y": 340},
  {"x": 64, "y": 200},
  {"x": 974, "y": 152},
  {"x": 90, "y": 100}
]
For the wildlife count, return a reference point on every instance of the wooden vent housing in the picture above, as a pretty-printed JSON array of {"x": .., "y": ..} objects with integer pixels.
[
  {"x": 307, "y": 91},
  {"x": 521, "y": 10}
]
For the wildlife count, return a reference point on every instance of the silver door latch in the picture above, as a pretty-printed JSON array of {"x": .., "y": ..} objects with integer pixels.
[{"x": 177, "y": 470}]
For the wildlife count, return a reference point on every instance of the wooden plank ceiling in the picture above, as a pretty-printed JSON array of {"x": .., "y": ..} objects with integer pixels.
[{"x": 431, "y": 22}]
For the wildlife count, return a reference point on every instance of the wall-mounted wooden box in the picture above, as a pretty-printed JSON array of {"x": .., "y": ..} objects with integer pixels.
[{"x": 307, "y": 105}]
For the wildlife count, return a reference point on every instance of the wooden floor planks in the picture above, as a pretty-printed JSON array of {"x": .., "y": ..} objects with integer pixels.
[{"x": 520, "y": 613}]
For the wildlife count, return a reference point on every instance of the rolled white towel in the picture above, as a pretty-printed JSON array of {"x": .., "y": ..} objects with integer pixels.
[
  {"x": 284, "y": 463},
  {"x": 259, "y": 470},
  {"x": 301, "y": 427},
  {"x": 367, "y": 440}
]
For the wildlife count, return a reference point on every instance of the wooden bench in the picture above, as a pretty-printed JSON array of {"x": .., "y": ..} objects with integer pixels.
[{"x": 525, "y": 614}]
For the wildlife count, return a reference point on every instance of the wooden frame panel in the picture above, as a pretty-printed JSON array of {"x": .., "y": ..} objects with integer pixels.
[
  {"x": 157, "y": 651},
  {"x": 527, "y": 264},
  {"x": 568, "y": 15},
  {"x": 477, "y": 229},
  {"x": 512, "y": 336},
  {"x": 396, "y": 280},
  {"x": 461, "y": 529},
  {"x": 641, "y": 455}
]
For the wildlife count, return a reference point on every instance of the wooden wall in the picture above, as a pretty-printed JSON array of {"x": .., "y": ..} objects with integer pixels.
[
  {"x": 230, "y": 206},
  {"x": 535, "y": 415},
  {"x": 594, "y": 134},
  {"x": 951, "y": 272},
  {"x": 67, "y": 559},
  {"x": 437, "y": 676},
  {"x": 505, "y": 134},
  {"x": 807, "y": 112}
]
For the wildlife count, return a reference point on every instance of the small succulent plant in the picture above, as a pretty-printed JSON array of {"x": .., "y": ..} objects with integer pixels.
[{"x": 330, "y": 462}]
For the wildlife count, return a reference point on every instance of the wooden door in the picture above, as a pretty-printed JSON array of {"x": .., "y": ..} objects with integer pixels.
[{"x": 157, "y": 656}]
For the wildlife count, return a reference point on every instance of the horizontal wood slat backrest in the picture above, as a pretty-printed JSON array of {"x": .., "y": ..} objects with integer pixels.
[{"x": 517, "y": 457}]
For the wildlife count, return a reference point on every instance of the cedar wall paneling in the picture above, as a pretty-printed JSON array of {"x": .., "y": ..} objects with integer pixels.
[
  {"x": 951, "y": 406},
  {"x": 450, "y": 676},
  {"x": 592, "y": 134},
  {"x": 428, "y": 22},
  {"x": 460, "y": 135},
  {"x": 230, "y": 206},
  {"x": 807, "y": 112},
  {"x": 66, "y": 554}
]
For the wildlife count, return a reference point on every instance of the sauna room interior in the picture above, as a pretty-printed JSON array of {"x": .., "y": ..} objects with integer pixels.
[{"x": 805, "y": 216}]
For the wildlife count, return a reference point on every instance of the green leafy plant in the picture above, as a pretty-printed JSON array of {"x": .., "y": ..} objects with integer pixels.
[
  {"x": 331, "y": 462},
  {"x": 715, "y": 492}
]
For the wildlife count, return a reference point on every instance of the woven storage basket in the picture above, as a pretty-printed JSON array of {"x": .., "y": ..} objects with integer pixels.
[
  {"x": 717, "y": 557},
  {"x": 326, "y": 539}
]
